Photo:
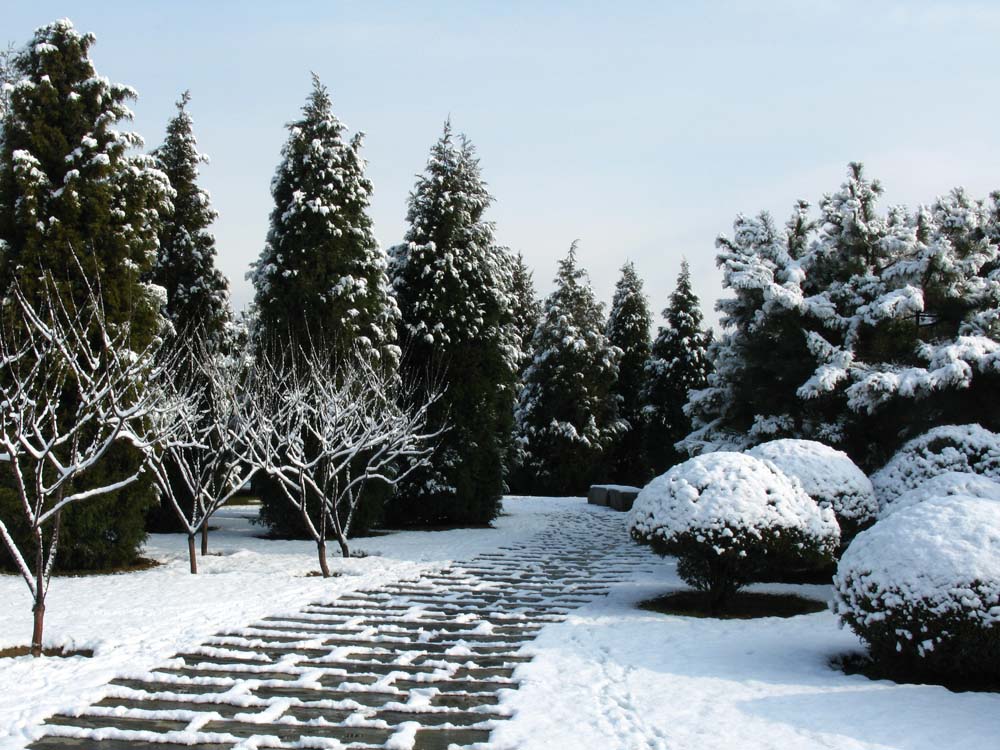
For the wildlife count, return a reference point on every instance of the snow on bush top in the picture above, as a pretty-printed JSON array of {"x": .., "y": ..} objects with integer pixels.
[
  {"x": 716, "y": 492},
  {"x": 944, "y": 485},
  {"x": 827, "y": 475},
  {"x": 966, "y": 448},
  {"x": 943, "y": 553}
]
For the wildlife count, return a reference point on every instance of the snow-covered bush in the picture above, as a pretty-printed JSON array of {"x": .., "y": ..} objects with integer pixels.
[
  {"x": 949, "y": 484},
  {"x": 829, "y": 477},
  {"x": 965, "y": 448},
  {"x": 725, "y": 516},
  {"x": 922, "y": 587}
]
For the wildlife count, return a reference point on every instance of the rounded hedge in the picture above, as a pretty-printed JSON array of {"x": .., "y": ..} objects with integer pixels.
[
  {"x": 922, "y": 588},
  {"x": 944, "y": 485},
  {"x": 969, "y": 449},
  {"x": 829, "y": 477},
  {"x": 728, "y": 515}
]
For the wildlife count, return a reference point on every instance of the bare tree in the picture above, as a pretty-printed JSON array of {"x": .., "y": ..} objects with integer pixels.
[
  {"x": 326, "y": 433},
  {"x": 196, "y": 435},
  {"x": 70, "y": 388}
]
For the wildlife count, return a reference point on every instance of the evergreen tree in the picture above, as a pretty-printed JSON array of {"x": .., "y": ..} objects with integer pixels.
[
  {"x": 321, "y": 274},
  {"x": 567, "y": 411},
  {"x": 454, "y": 288},
  {"x": 628, "y": 329},
  {"x": 527, "y": 309},
  {"x": 321, "y": 278},
  {"x": 678, "y": 363},
  {"x": 77, "y": 203},
  {"x": 197, "y": 294}
]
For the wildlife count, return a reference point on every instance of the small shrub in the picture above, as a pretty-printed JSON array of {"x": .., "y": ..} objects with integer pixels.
[
  {"x": 969, "y": 449},
  {"x": 829, "y": 477},
  {"x": 922, "y": 588},
  {"x": 949, "y": 484},
  {"x": 726, "y": 516}
]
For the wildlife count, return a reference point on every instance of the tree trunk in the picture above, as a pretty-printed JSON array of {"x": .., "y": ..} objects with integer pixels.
[
  {"x": 342, "y": 541},
  {"x": 39, "y": 606},
  {"x": 204, "y": 538},
  {"x": 191, "y": 556},
  {"x": 323, "y": 566},
  {"x": 36, "y": 633}
]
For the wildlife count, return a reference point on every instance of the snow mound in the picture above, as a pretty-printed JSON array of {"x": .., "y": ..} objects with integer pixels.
[
  {"x": 828, "y": 476},
  {"x": 727, "y": 499},
  {"x": 944, "y": 485},
  {"x": 922, "y": 585},
  {"x": 964, "y": 448}
]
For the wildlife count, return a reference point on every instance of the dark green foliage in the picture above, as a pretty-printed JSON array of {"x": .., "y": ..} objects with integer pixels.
[
  {"x": 454, "y": 288},
  {"x": 567, "y": 412},
  {"x": 678, "y": 363},
  {"x": 321, "y": 278},
  {"x": 526, "y": 307},
  {"x": 628, "y": 329},
  {"x": 76, "y": 203}
]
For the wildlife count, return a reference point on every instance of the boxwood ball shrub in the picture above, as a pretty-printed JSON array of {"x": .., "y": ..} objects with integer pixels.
[
  {"x": 922, "y": 588},
  {"x": 829, "y": 477},
  {"x": 726, "y": 516},
  {"x": 969, "y": 448},
  {"x": 944, "y": 485}
]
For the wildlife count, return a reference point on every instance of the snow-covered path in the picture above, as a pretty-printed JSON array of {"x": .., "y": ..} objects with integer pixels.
[{"x": 423, "y": 662}]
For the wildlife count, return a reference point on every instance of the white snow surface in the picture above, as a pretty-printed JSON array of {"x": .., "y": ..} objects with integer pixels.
[
  {"x": 827, "y": 475},
  {"x": 716, "y": 492},
  {"x": 944, "y": 485},
  {"x": 609, "y": 677},
  {"x": 943, "y": 553},
  {"x": 967, "y": 448}
]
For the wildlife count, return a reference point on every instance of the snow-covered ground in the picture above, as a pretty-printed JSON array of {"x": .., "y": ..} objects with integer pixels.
[{"x": 610, "y": 676}]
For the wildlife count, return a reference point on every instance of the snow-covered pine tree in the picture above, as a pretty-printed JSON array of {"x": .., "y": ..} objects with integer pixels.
[
  {"x": 628, "y": 329},
  {"x": 567, "y": 411},
  {"x": 77, "y": 202},
  {"x": 197, "y": 292},
  {"x": 197, "y": 303},
  {"x": 526, "y": 307},
  {"x": 454, "y": 289},
  {"x": 678, "y": 363},
  {"x": 321, "y": 280},
  {"x": 321, "y": 275}
]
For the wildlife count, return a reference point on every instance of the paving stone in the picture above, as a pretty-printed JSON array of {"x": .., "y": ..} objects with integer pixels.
[
  {"x": 73, "y": 743},
  {"x": 454, "y": 686},
  {"x": 225, "y": 710},
  {"x": 433, "y": 718},
  {"x": 154, "y": 686},
  {"x": 293, "y": 732},
  {"x": 442, "y": 739},
  {"x": 121, "y": 722}
]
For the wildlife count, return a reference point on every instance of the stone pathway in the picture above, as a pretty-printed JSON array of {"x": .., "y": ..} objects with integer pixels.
[{"x": 420, "y": 663}]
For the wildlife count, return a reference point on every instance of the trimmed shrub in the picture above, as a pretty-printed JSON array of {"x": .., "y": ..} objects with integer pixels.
[
  {"x": 922, "y": 588},
  {"x": 728, "y": 515},
  {"x": 965, "y": 448},
  {"x": 944, "y": 485},
  {"x": 829, "y": 477}
]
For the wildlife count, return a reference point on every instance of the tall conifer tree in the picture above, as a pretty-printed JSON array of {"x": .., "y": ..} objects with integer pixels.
[
  {"x": 567, "y": 412},
  {"x": 678, "y": 363},
  {"x": 321, "y": 277},
  {"x": 628, "y": 329},
  {"x": 79, "y": 206},
  {"x": 527, "y": 309},
  {"x": 454, "y": 288},
  {"x": 197, "y": 293}
]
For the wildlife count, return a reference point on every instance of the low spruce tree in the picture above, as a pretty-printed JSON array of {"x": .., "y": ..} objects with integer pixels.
[
  {"x": 678, "y": 363},
  {"x": 79, "y": 206},
  {"x": 628, "y": 329},
  {"x": 567, "y": 411},
  {"x": 455, "y": 291},
  {"x": 321, "y": 277}
]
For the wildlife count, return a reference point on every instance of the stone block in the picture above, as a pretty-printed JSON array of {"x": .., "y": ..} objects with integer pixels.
[{"x": 597, "y": 495}]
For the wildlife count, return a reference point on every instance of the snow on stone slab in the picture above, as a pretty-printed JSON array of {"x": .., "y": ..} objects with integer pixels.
[
  {"x": 726, "y": 490},
  {"x": 967, "y": 448},
  {"x": 827, "y": 475},
  {"x": 943, "y": 552},
  {"x": 944, "y": 485}
]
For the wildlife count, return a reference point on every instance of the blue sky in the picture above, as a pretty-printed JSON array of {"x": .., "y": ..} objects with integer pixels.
[{"x": 641, "y": 128}]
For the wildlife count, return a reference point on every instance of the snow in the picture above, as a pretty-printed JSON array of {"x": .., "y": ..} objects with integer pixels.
[
  {"x": 943, "y": 553},
  {"x": 827, "y": 475},
  {"x": 609, "y": 676},
  {"x": 615, "y": 677},
  {"x": 966, "y": 448},
  {"x": 719, "y": 493},
  {"x": 944, "y": 485}
]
